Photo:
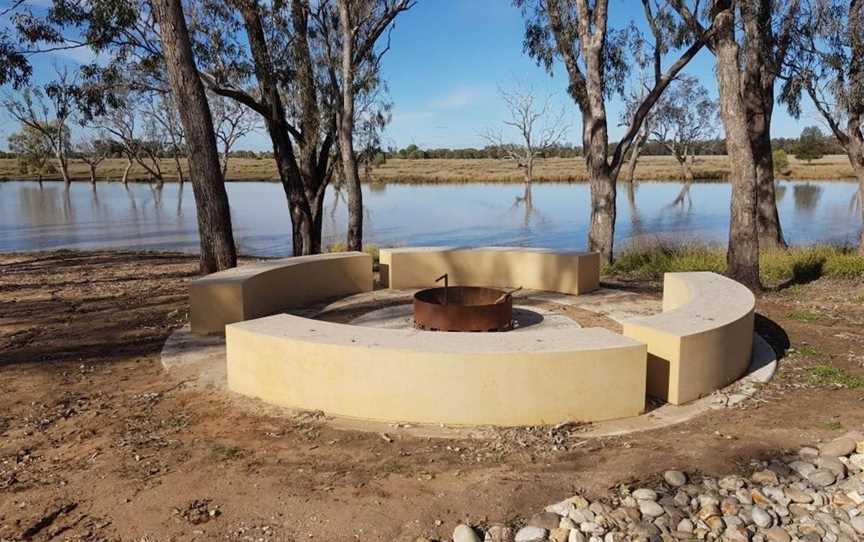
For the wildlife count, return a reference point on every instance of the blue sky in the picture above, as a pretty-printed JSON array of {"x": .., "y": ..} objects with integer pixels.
[{"x": 447, "y": 59}]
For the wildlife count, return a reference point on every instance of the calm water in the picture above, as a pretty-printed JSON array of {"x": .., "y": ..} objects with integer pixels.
[{"x": 555, "y": 215}]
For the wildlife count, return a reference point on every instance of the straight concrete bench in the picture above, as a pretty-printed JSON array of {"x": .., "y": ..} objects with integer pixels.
[
  {"x": 265, "y": 288},
  {"x": 535, "y": 269},
  {"x": 403, "y": 375},
  {"x": 702, "y": 340}
]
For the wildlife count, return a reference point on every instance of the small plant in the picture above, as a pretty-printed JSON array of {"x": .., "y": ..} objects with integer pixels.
[
  {"x": 833, "y": 425},
  {"x": 804, "y": 315},
  {"x": 228, "y": 453},
  {"x": 827, "y": 375},
  {"x": 807, "y": 350}
]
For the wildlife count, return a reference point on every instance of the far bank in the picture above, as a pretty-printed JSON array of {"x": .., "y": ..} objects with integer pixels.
[{"x": 439, "y": 170}]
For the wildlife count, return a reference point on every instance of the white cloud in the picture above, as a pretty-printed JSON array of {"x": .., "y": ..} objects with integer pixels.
[{"x": 457, "y": 98}]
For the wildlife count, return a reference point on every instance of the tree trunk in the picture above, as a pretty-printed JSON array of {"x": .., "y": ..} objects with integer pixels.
[
  {"x": 855, "y": 152},
  {"x": 743, "y": 252},
  {"x": 179, "y": 167},
  {"x": 214, "y": 215},
  {"x": 64, "y": 167},
  {"x": 600, "y": 178},
  {"x": 92, "y": 174},
  {"x": 126, "y": 171},
  {"x": 686, "y": 170},
  {"x": 346, "y": 132},
  {"x": 770, "y": 232},
  {"x": 529, "y": 170},
  {"x": 635, "y": 151}
]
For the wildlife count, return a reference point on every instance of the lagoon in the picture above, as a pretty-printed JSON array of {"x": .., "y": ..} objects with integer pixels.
[{"x": 554, "y": 215}]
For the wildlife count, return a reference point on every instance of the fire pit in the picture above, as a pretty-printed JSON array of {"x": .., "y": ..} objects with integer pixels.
[{"x": 463, "y": 308}]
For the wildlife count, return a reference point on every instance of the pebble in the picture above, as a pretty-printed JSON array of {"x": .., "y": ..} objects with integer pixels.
[
  {"x": 499, "y": 533},
  {"x": 798, "y": 496},
  {"x": 761, "y": 517},
  {"x": 576, "y": 536},
  {"x": 821, "y": 477},
  {"x": 650, "y": 508},
  {"x": 777, "y": 534},
  {"x": 675, "y": 478},
  {"x": 546, "y": 520},
  {"x": 838, "y": 447},
  {"x": 464, "y": 533},
  {"x": 858, "y": 524},
  {"x": 644, "y": 494},
  {"x": 765, "y": 477},
  {"x": 530, "y": 534}
]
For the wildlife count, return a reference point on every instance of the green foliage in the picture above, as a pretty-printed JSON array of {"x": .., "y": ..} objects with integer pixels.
[
  {"x": 781, "y": 161},
  {"x": 33, "y": 149},
  {"x": 651, "y": 263},
  {"x": 810, "y": 145},
  {"x": 845, "y": 266},
  {"x": 827, "y": 375}
]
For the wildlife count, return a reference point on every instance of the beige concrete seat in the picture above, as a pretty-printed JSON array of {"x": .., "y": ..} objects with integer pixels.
[
  {"x": 532, "y": 268},
  {"x": 265, "y": 288},
  {"x": 702, "y": 340},
  {"x": 404, "y": 375}
]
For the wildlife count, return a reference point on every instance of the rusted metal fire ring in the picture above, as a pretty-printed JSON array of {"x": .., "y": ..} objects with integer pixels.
[{"x": 463, "y": 308}]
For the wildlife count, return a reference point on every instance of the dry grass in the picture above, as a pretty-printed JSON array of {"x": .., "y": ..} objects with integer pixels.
[{"x": 484, "y": 170}]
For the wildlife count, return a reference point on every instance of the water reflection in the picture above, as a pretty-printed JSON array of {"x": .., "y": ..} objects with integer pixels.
[{"x": 147, "y": 216}]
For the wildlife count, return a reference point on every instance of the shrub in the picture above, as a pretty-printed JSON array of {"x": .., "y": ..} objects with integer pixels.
[{"x": 781, "y": 161}]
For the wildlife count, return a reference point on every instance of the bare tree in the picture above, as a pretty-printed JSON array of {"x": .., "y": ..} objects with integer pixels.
[
  {"x": 632, "y": 100},
  {"x": 166, "y": 134},
  {"x": 93, "y": 150},
  {"x": 214, "y": 216},
  {"x": 828, "y": 65},
  {"x": 539, "y": 125},
  {"x": 577, "y": 32},
  {"x": 142, "y": 145},
  {"x": 233, "y": 121},
  {"x": 684, "y": 116},
  {"x": 49, "y": 111},
  {"x": 361, "y": 24}
]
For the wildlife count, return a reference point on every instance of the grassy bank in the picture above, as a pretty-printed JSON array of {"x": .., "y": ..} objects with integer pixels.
[
  {"x": 777, "y": 267},
  {"x": 706, "y": 168}
]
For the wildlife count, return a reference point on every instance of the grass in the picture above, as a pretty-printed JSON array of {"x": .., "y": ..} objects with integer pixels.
[
  {"x": 826, "y": 375},
  {"x": 777, "y": 267},
  {"x": 803, "y": 315},
  {"x": 650, "y": 168},
  {"x": 372, "y": 250}
]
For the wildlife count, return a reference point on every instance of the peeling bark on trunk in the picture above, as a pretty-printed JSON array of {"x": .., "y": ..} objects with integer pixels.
[
  {"x": 126, "y": 171},
  {"x": 214, "y": 215},
  {"x": 743, "y": 252},
  {"x": 346, "y": 132}
]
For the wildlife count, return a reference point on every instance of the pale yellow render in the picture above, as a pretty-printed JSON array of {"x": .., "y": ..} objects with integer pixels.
[
  {"x": 536, "y": 269},
  {"x": 265, "y": 288},
  {"x": 547, "y": 377},
  {"x": 702, "y": 340}
]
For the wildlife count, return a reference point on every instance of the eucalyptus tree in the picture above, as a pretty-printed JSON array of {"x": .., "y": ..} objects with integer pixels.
[
  {"x": 276, "y": 48},
  {"x": 768, "y": 30},
  {"x": 48, "y": 109},
  {"x": 828, "y": 66},
  {"x": 362, "y": 23},
  {"x": 683, "y": 117},
  {"x": 723, "y": 17},
  {"x": 93, "y": 149},
  {"x": 135, "y": 37},
  {"x": 577, "y": 32},
  {"x": 232, "y": 122}
]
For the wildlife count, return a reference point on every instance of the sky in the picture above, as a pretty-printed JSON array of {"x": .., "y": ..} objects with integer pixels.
[{"x": 446, "y": 63}]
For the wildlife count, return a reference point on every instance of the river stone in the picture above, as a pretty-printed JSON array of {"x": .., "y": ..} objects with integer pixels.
[
  {"x": 838, "y": 447},
  {"x": 821, "y": 477},
  {"x": 761, "y": 517},
  {"x": 567, "y": 523},
  {"x": 545, "y": 520},
  {"x": 858, "y": 524},
  {"x": 464, "y": 533},
  {"x": 777, "y": 534},
  {"x": 857, "y": 460},
  {"x": 730, "y": 506},
  {"x": 685, "y": 526},
  {"x": 499, "y": 533},
  {"x": 765, "y": 477},
  {"x": 650, "y": 508},
  {"x": 803, "y": 468},
  {"x": 801, "y": 497},
  {"x": 644, "y": 494},
  {"x": 559, "y": 535},
  {"x": 576, "y": 536},
  {"x": 675, "y": 478},
  {"x": 833, "y": 464},
  {"x": 530, "y": 534}
]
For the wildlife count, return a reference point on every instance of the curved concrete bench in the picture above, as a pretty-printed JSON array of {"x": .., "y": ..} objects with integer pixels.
[
  {"x": 262, "y": 289},
  {"x": 532, "y": 268},
  {"x": 545, "y": 377},
  {"x": 702, "y": 340}
]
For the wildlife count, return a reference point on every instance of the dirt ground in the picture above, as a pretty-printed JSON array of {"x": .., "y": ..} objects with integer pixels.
[{"x": 97, "y": 442}]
